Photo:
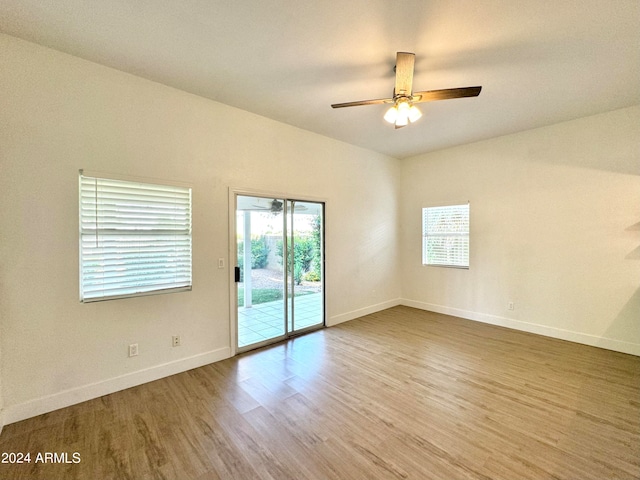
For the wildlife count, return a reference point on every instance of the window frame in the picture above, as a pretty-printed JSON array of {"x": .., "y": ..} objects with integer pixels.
[
  {"x": 176, "y": 232},
  {"x": 449, "y": 234}
]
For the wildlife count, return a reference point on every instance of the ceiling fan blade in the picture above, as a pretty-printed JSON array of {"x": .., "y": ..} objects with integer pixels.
[
  {"x": 445, "y": 94},
  {"x": 404, "y": 73},
  {"x": 362, "y": 102}
]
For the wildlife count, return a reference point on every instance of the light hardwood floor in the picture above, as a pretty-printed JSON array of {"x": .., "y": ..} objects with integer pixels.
[{"x": 402, "y": 393}]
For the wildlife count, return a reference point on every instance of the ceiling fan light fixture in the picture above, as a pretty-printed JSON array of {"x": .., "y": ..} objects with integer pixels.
[
  {"x": 414, "y": 114},
  {"x": 402, "y": 113},
  {"x": 402, "y": 121},
  {"x": 391, "y": 115},
  {"x": 403, "y": 107}
]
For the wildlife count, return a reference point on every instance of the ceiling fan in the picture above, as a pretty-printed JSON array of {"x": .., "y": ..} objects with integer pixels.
[
  {"x": 275, "y": 206},
  {"x": 403, "y": 110}
]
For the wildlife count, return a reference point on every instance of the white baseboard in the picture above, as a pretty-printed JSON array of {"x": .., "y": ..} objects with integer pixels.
[
  {"x": 577, "y": 337},
  {"x": 49, "y": 403},
  {"x": 32, "y": 408},
  {"x": 361, "y": 312}
]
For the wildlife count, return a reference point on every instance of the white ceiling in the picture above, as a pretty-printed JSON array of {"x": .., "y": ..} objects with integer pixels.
[{"x": 539, "y": 61}]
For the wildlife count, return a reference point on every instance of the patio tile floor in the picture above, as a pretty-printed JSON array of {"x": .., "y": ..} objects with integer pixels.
[{"x": 266, "y": 320}]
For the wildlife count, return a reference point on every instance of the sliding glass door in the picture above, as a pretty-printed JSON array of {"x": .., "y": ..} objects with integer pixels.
[{"x": 279, "y": 273}]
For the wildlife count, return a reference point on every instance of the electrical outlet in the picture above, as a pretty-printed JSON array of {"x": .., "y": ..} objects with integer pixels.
[
  {"x": 175, "y": 340},
  {"x": 510, "y": 306},
  {"x": 133, "y": 349}
]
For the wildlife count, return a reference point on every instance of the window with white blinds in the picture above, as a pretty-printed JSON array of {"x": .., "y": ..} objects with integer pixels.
[
  {"x": 135, "y": 239},
  {"x": 445, "y": 236}
]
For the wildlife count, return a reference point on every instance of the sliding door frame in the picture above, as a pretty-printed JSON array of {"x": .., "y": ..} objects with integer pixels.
[{"x": 234, "y": 192}]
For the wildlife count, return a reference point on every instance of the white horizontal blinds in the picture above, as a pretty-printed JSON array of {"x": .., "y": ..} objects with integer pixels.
[
  {"x": 135, "y": 238},
  {"x": 445, "y": 235}
]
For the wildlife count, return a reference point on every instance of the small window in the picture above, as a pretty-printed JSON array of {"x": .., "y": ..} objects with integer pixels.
[
  {"x": 135, "y": 239},
  {"x": 445, "y": 236}
]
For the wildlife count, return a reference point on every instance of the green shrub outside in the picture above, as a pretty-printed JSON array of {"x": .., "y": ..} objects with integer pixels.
[{"x": 259, "y": 254}]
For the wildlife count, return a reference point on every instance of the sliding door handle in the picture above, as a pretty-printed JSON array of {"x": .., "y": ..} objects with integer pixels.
[{"x": 237, "y": 274}]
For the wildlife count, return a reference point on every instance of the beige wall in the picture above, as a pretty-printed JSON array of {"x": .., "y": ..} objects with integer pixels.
[
  {"x": 58, "y": 114},
  {"x": 555, "y": 228},
  {"x": 555, "y": 220}
]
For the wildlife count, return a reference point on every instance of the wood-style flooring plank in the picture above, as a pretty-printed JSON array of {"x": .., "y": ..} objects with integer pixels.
[{"x": 400, "y": 394}]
